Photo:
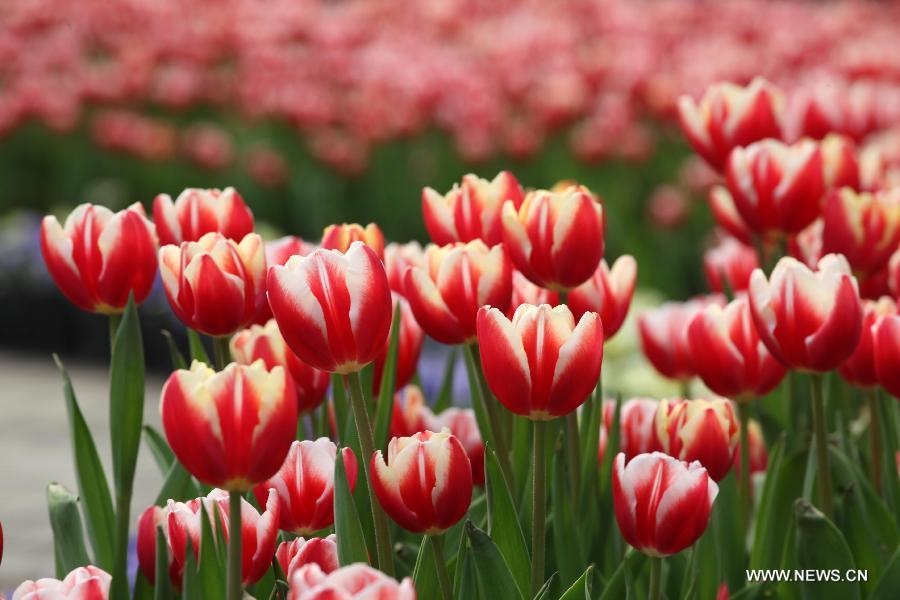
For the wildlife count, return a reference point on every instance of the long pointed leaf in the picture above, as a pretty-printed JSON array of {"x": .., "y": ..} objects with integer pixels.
[
  {"x": 581, "y": 589},
  {"x": 68, "y": 534},
  {"x": 503, "y": 523},
  {"x": 494, "y": 578},
  {"x": 445, "y": 392},
  {"x": 424, "y": 574},
  {"x": 197, "y": 349},
  {"x": 821, "y": 546},
  {"x": 385, "y": 404},
  {"x": 175, "y": 356},
  {"x": 159, "y": 448},
  {"x": 347, "y": 527}
]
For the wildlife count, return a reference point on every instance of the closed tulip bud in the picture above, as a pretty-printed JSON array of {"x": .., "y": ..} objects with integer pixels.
[
  {"x": 726, "y": 214},
  {"x": 333, "y": 309},
  {"x": 759, "y": 456},
  {"x": 777, "y": 188},
  {"x": 729, "y": 116},
  {"x": 728, "y": 266},
  {"x": 525, "y": 292},
  {"x": 197, "y": 212},
  {"x": 662, "y": 504},
  {"x": 637, "y": 427},
  {"x": 398, "y": 258},
  {"x": 213, "y": 283},
  {"x": 555, "y": 238},
  {"x": 859, "y": 369},
  {"x": 426, "y": 483},
  {"x": 408, "y": 414},
  {"x": 353, "y": 582},
  {"x": 462, "y": 424},
  {"x": 608, "y": 293},
  {"x": 841, "y": 167},
  {"x": 864, "y": 227},
  {"x": 471, "y": 210},
  {"x": 455, "y": 281},
  {"x": 299, "y": 552},
  {"x": 409, "y": 347},
  {"x": 728, "y": 355},
  {"x": 699, "y": 430},
  {"x": 100, "y": 257},
  {"x": 83, "y": 583},
  {"x": 663, "y": 333},
  {"x": 540, "y": 364},
  {"x": 264, "y": 342},
  {"x": 341, "y": 237},
  {"x": 230, "y": 429},
  {"x": 809, "y": 320},
  {"x": 181, "y": 522},
  {"x": 305, "y": 485},
  {"x": 886, "y": 350}
]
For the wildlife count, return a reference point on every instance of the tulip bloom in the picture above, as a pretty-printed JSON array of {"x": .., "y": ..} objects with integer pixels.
[
  {"x": 83, "y": 583},
  {"x": 230, "y": 429},
  {"x": 409, "y": 347},
  {"x": 456, "y": 280},
  {"x": 728, "y": 266},
  {"x": 305, "y": 485},
  {"x": 663, "y": 333},
  {"x": 758, "y": 455},
  {"x": 886, "y": 350},
  {"x": 662, "y": 504},
  {"x": 299, "y": 552},
  {"x": 525, "y": 292},
  {"x": 777, "y": 188},
  {"x": 426, "y": 483},
  {"x": 726, "y": 214},
  {"x": 333, "y": 309},
  {"x": 864, "y": 227},
  {"x": 809, "y": 320},
  {"x": 893, "y": 273},
  {"x": 728, "y": 355},
  {"x": 608, "y": 293},
  {"x": 701, "y": 430},
  {"x": 859, "y": 369},
  {"x": 471, "y": 210},
  {"x": 540, "y": 364},
  {"x": 277, "y": 253},
  {"x": 341, "y": 237},
  {"x": 100, "y": 257},
  {"x": 729, "y": 116},
  {"x": 637, "y": 427},
  {"x": 212, "y": 284},
  {"x": 353, "y": 582},
  {"x": 408, "y": 414},
  {"x": 181, "y": 522},
  {"x": 398, "y": 258},
  {"x": 841, "y": 167},
  {"x": 264, "y": 342},
  {"x": 462, "y": 424},
  {"x": 197, "y": 212}
]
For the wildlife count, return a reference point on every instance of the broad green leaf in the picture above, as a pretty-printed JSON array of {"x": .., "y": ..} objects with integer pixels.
[
  {"x": 615, "y": 587},
  {"x": 190, "y": 581},
  {"x": 466, "y": 583},
  {"x": 522, "y": 436},
  {"x": 445, "y": 392},
  {"x": 196, "y": 347},
  {"x": 495, "y": 582},
  {"x": 503, "y": 523},
  {"x": 425, "y": 574},
  {"x": 566, "y": 537},
  {"x": 68, "y": 535},
  {"x": 890, "y": 444},
  {"x": 731, "y": 549},
  {"x": 886, "y": 587},
  {"x": 159, "y": 448},
  {"x": 581, "y": 589},
  {"x": 350, "y": 539},
  {"x": 143, "y": 589},
  {"x": 385, "y": 404},
  {"x": 211, "y": 570},
  {"x": 702, "y": 580},
  {"x": 590, "y": 442},
  {"x": 178, "y": 485},
  {"x": 821, "y": 546},
  {"x": 175, "y": 356},
  {"x": 162, "y": 584},
  {"x": 783, "y": 484}
]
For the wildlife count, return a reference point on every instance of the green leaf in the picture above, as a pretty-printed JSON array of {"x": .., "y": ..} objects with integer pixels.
[
  {"x": 162, "y": 583},
  {"x": 424, "y": 573},
  {"x": 547, "y": 588},
  {"x": 175, "y": 356},
  {"x": 702, "y": 580},
  {"x": 143, "y": 588},
  {"x": 821, "y": 546},
  {"x": 93, "y": 488},
  {"x": 503, "y": 523},
  {"x": 341, "y": 417},
  {"x": 495, "y": 582},
  {"x": 590, "y": 442},
  {"x": 350, "y": 539},
  {"x": 783, "y": 484},
  {"x": 211, "y": 568},
  {"x": 385, "y": 404},
  {"x": 159, "y": 448},
  {"x": 886, "y": 587},
  {"x": 178, "y": 485},
  {"x": 445, "y": 392},
  {"x": 466, "y": 585},
  {"x": 731, "y": 552},
  {"x": 887, "y": 409},
  {"x": 196, "y": 347},
  {"x": 481, "y": 415},
  {"x": 190, "y": 582},
  {"x": 566, "y": 537},
  {"x": 522, "y": 437},
  {"x": 615, "y": 587},
  {"x": 68, "y": 535},
  {"x": 581, "y": 589}
]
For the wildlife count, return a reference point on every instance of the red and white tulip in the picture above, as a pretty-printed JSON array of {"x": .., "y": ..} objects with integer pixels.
[
  {"x": 859, "y": 368},
  {"x": 353, "y": 582},
  {"x": 699, "y": 430},
  {"x": 83, "y": 583},
  {"x": 728, "y": 266},
  {"x": 341, "y": 237},
  {"x": 409, "y": 347},
  {"x": 197, "y": 212},
  {"x": 886, "y": 350},
  {"x": 301, "y": 551},
  {"x": 864, "y": 227},
  {"x": 608, "y": 293}
]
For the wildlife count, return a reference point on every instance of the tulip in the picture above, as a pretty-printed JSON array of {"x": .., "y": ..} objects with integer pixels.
[
  {"x": 99, "y": 258},
  {"x": 462, "y": 424},
  {"x": 409, "y": 347},
  {"x": 399, "y": 257},
  {"x": 197, "y": 212},
  {"x": 408, "y": 413},
  {"x": 353, "y": 582},
  {"x": 728, "y": 266},
  {"x": 277, "y": 253},
  {"x": 333, "y": 309},
  {"x": 777, "y": 188},
  {"x": 758, "y": 456},
  {"x": 230, "y": 429},
  {"x": 305, "y": 485},
  {"x": 341, "y": 237},
  {"x": 729, "y": 116},
  {"x": 841, "y": 167},
  {"x": 701, "y": 430},
  {"x": 864, "y": 227},
  {"x": 859, "y": 368},
  {"x": 181, "y": 522},
  {"x": 83, "y": 583},
  {"x": 456, "y": 280},
  {"x": 726, "y": 214},
  {"x": 608, "y": 293},
  {"x": 893, "y": 273},
  {"x": 637, "y": 427},
  {"x": 555, "y": 238},
  {"x": 806, "y": 246},
  {"x": 471, "y": 210},
  {"x": 264, "y": 342},
  {"x": 213, "y": 283},
  {"x": 299, "y": 552},
  {"x": 886, "y": 351},
  {"x": 525, "y": 292}
]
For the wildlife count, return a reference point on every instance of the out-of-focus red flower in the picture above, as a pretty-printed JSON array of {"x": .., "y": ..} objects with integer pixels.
[
  {"x": 864, "y": 227},
  {"x": 859, "y": 368},
  {"x": 886, "y": 350},
  {"x": 728, "y": 266},
  {"x": 197, "y": 212},
  {"x": 409, "y": 347},
  {"x": 759, "y": 456},
  {"x": 893, "y": 274},
  {"x": 668, "y": 207},
  {"x": 841, "y": 167},
  {"x": 266, "y": 166},
  {"x": 398, "y": 258},
  {"x": 608, "y": 293},
  {"x": 663, "y": 333},
  {"x": 133, "y": 133},
  {"x": 301, "y": 551},
  {"x": 341, "y": 237},
  {"x": 525, "y": 292},
  {"x": 208, "y": 145},
  {"x": 353, "y": 582},
  {"x": 699, "y": 430},
  {"x": 726, "y": 214},
  {"x": 637, "y": 427},
  {"x": 409, "y": 412}
]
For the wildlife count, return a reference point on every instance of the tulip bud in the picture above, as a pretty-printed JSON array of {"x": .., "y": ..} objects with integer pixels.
[
  {"x": 197, "y": 212},
  {"x": 470, "y": 211},
  {"x": 728, "y": 266},
  {"x": 426, "y": 483},
  {"x": 265, "y": 343},
  {"x": 608, "y": 293},
  {"x": 230, "y": 429},
  {"x": 726, "y": 214},
  {"x": 759, "y": 456},
  {"x": 839, "y": 162},
  {"x": 662, "y": 504},
  {"x": 864, "y": 227},
  {"x": 663, "y": 333},
  {"x": 729, "y": 116},
  {"x": 540, "y": 365},
  {"x": 809, "y": 320},
  {"x": 213, "y": 283},
  {"x": 456, "y": 280},
  {"x": 886, "y": 350},
  {"x": 859, "y": 369},
  {"x": 728, "y": 355},
  {"x": 525, "y": 292},
  {"x": 462, "y": 424},
  {"x": 353, "y": 582},
  {"x": 637, "y": 427},
  {"x": 699, "y": 430},
  {"x": 299, "y": 552},
  {"x": 398, "y": 258},
  {"x": 555, "y": 238},
  {"x": 408, "y": 415},
  {"x": 409, "y": 347},
  {"x": 333, "y": 309},
  {"x": 341, "y": 237},
  {"x": 83, "y": 583},
  {"x": 100, "y": 257}
]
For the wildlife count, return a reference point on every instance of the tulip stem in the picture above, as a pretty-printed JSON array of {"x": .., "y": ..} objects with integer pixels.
[
  {"x": 821, "y": 441},
  {"x": 234, "y": 546},
  {"x": 655, "y": 578},
  {"x": 875, "y": 437},
  {"x": 746, "y": 494},
  {"x": 440, "y": 563},
  {"x": 353, "y": 385},
  {"x": 539, "y": 506},
  {"x": 572, "y": 452},
  {"x": 114, "y": 321},
  {"x": 221, "y": 351},
  {"x": 481, "y": 393}
]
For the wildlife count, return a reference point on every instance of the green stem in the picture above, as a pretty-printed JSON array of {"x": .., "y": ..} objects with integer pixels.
[
  {"x": 222, "y": 352},
  {"x": 655, "y": 578},
  {"x": 875, "y": 437},
  {"x": 234, "y": 546},
  {"x": 821, "y": 441},
  {"x": 119, "y": 588},
  {"x": 685, "y": 385},
  {"x": 114, "y": 321},
  {"x": 572, "y": 452},
  {"x": 353, "y": 385},
  {"x": 440, "y": 563},
  {"x": 746, "y": 493},
  {"x": 539, "y": 506}
]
